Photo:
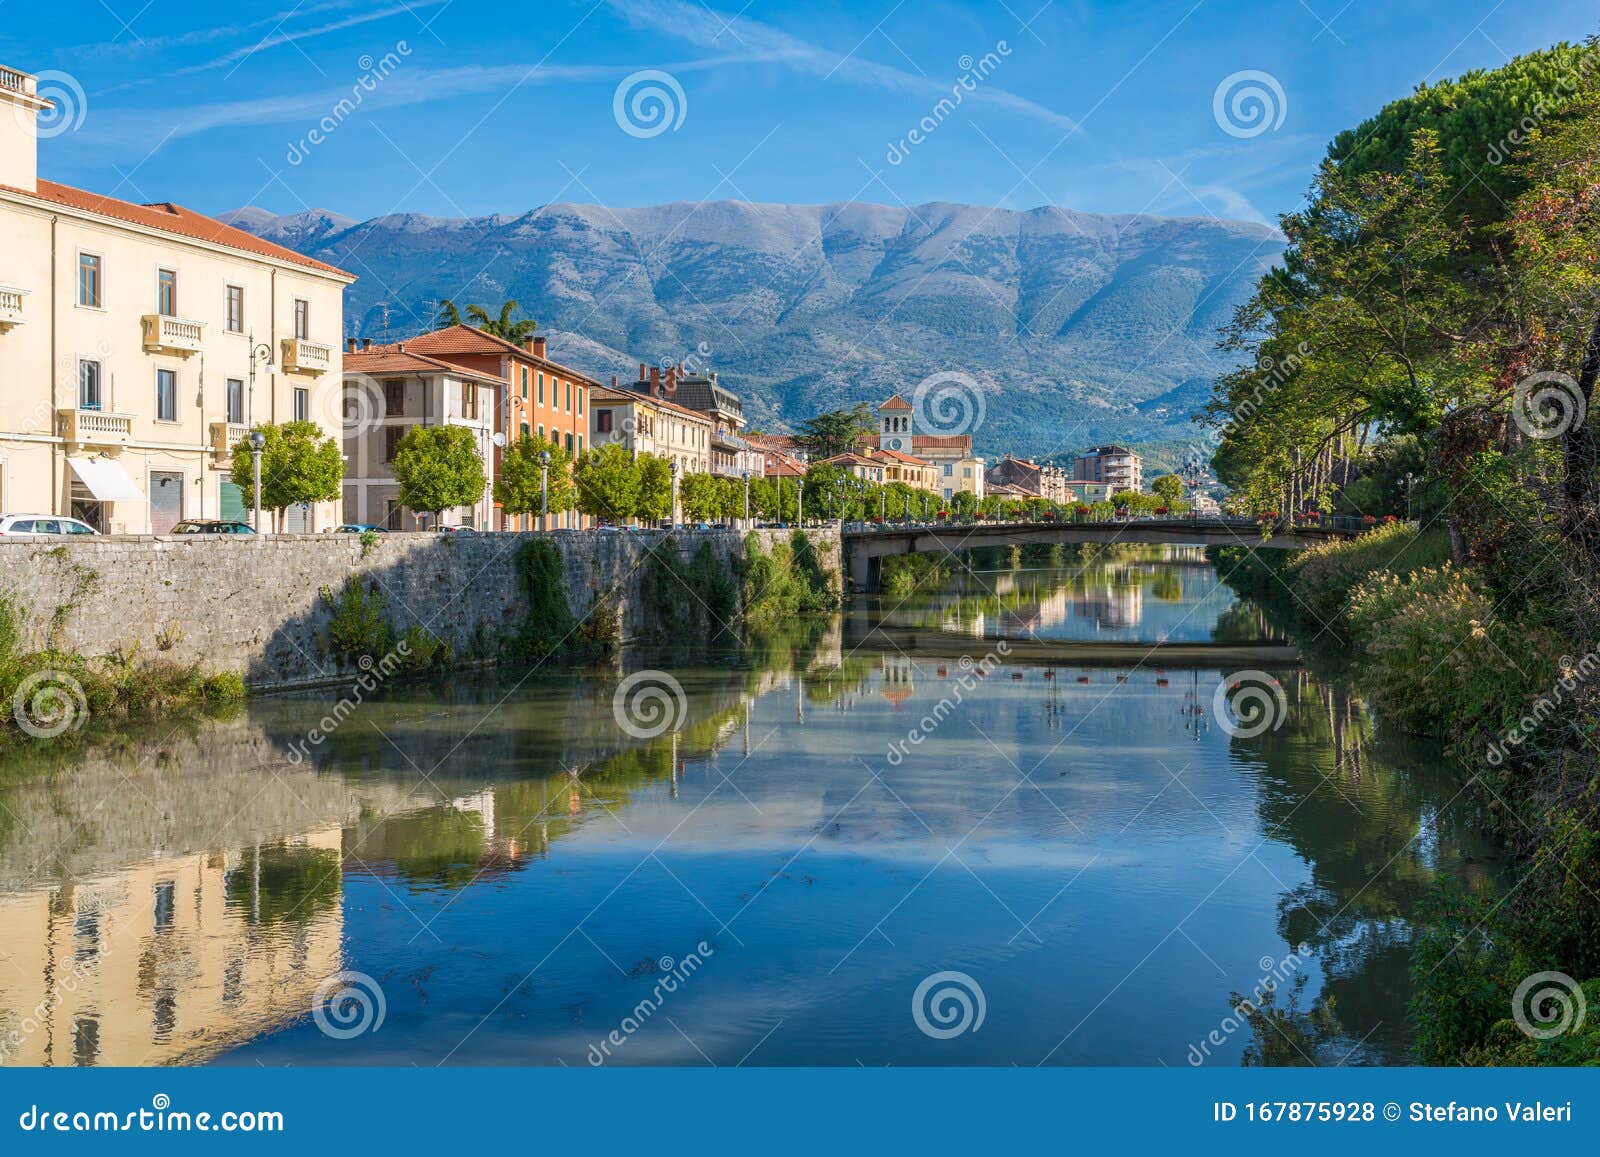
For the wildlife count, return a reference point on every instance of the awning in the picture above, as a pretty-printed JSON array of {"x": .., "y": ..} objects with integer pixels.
[{"x": 106, "y": 479}]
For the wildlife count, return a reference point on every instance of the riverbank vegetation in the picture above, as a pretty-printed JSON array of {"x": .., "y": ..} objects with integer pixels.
[
  {"x": 1430, "y": 348},
  {"x": 50, "y": 693}
]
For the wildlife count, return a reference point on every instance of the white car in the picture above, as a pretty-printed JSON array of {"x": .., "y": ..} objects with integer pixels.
[{"x": 41, "y": 525}]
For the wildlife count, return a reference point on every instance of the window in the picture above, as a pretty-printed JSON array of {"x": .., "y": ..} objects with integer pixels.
[
  {"x": 166, "y": 395},
  {"x": 235, "y": 309},
  {"x": 89, "y": 395},
  {"x": 602, "y": 421},
  {"x": 236, "y": 401},
  {"x": 89, "y": 280},
  {"x": 469, "y": 401},
  {"x": 526, "y": 431},
  {"x": 569, "y": 442},
  {"x": 524, "y": 383},
  {"x": 541, "y": 429},
  {"x": 302, "y": 404},
  {"x": 167, "y": 292},
  {"x": 391, "y": 440},
  {"x": 541, "y": 387},
  {"x": 394, "y": 397},
  {"x": 580, "y": 443},
  {"x": 302, "y": 319},
  {"x": 949, "y": 469},
  {"x": 580, "y": 399},
  {"x": 569, "y": 397}
]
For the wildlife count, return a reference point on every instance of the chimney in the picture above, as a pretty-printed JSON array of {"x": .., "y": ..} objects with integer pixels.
[
  {"x": 366, "y": 343},
  {"x": 350, "y": 345},
  {"x": 400, "y": 348},
  {"x": 535, "y": 346},
  {"x": 641, "y": 372},
  {"x": 613, "y": 381},
  {"x": 655, "y": 381},
  {"x": 20, "y": 104},
  {"x": 672, "y": 380}
]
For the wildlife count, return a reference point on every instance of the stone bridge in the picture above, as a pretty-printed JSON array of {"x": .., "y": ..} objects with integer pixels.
[{"x": 865, "y": 549}]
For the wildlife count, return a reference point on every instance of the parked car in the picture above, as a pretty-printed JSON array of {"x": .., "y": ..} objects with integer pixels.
[
  {"x": 39, "y": 525},
  {"x": 210, "y": 526},
  {"x": 457, "y": 529},
  {"x": 358, "y": 528}
]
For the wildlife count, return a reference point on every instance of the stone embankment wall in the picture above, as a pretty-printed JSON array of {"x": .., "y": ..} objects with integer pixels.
[{"x": 254, "y": 605}]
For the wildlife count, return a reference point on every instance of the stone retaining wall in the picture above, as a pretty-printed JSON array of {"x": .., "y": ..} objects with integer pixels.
[{"x": 253, "y": 605}]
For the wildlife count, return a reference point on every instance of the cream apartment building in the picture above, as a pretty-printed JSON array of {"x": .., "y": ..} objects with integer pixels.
[
  {"x": 139, "y": 343},
  {"x": 388, "y": 390}
]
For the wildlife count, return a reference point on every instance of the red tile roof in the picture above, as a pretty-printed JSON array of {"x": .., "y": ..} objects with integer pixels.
[
  {"x": 174, "y": 219},
  {"x": 392, "y": 359},
  {"x": 469, "y": 339},
  {"x": 941, "y": 442},
  {"x": 604, "y": 395},
  {"x": 896, "y": 403}
]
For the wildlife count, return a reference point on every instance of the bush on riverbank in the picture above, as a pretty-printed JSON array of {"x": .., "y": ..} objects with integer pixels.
[
  {"x": 548, "y": 622},
  {"x": 50, "y": 692},
  {"x": 693, "y": 600},
  {"x": 790, "y": 581},
  {"x": 904, "y": 574},
  {"x": 1325, "y": 577}
]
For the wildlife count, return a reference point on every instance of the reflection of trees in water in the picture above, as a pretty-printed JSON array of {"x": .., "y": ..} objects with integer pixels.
[{"x": 1373, "y": 841}]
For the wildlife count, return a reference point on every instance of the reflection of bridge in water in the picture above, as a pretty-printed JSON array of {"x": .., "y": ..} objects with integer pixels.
[{"x": 866, "y": 549}]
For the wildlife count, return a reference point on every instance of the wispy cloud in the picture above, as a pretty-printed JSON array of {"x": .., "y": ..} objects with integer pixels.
[{"x": 741, "y": 34}]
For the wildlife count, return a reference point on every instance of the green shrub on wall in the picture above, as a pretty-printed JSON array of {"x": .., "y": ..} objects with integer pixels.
[{"x": 548, "y": 622}]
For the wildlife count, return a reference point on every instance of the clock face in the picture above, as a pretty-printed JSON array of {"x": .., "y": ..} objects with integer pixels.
[{"x": 894, "y": 443}]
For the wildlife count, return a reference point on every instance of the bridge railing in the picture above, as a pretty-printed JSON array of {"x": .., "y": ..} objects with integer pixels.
[{"x": 1242, "y": 523}]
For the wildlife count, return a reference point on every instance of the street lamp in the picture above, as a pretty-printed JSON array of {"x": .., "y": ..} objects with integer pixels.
[
  {"x": 747, "y": 497},
  {"x": 258, "y": 443},
  {"x": 800, "y": 501},
  {"x": 673, "y": 467},
  {"x": 544, "y": 490},
  {"x": 259, "y": 352}
]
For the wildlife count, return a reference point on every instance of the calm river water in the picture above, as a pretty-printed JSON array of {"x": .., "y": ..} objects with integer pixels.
[{"x": 491, "y": 870}]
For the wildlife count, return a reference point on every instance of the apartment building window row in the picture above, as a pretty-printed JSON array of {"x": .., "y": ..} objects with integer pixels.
[{"x": 302, "y": 404}]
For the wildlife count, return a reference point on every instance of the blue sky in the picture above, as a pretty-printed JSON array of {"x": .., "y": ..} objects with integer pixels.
[{"x": 468, "y": 108}]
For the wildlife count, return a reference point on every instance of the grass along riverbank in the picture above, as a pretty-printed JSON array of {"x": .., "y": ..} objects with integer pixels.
[{"x": 1440, "y": 650}]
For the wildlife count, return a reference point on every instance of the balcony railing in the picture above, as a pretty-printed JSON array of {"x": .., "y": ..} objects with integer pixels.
[
  {"x": 171, "y": 335},
  {"x": 13, "y": 81},
  {"x": 306, "y": 357},
  {"x": 11, "y": 307},
  {"x": 94, "y": 427},
  {"x": 225, "y": 436}
]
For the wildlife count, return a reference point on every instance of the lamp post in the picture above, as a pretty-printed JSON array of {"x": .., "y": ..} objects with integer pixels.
[
  {"x": 673, "y": 467},
  {"x": 544, "y": 490},
  {"x": 259, "y": 352},
  {"x": 799, "y": 501},
  {"x": 258, "y": 443},
  {"x": 841, "y": 501}
]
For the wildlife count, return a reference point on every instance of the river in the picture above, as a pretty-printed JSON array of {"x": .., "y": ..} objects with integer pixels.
[{"x": 836, "y": 853}]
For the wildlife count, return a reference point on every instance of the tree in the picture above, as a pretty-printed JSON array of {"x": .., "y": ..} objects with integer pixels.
[
  {"x": 702, "y": 497},
  {"x": 448, "y": 314},
  {"x": 1169, "y": 488},
  {"x": 504, "y": 327},
  {"x": 299, "y": 463},
  {"x": 836, "y": 431},
  {"x": 518, "y": 490},
  {"x": 655, "y": 487},
  {"x": 439, "y": 468},
  {"x": 607, "y": 480}
]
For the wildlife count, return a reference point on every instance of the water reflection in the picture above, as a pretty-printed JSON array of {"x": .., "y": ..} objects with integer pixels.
[
  {"x": 509, "y": 866},
  {"x": 1135, "y": 594}
]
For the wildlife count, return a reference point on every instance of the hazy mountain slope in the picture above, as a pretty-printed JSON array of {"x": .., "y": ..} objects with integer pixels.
[{"x": 1067, "y": 320}]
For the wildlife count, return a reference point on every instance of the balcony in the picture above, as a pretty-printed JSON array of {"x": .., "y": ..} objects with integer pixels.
[
  {"x": 171, "y": 335},
  {"x": 11, "y": 307},
  {"x": 305, "y": 357},
  {"x": 94, "y": 427},
  {"x": 225, "y": 436}
]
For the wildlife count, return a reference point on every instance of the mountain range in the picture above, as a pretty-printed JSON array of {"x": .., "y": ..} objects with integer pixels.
[{"x": 1077, "y": 328}]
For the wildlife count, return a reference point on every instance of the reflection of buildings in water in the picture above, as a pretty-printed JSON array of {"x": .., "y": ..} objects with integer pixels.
[
  {"x": 1112, "y": 608},
  {"x": 171, "y": 961},
  {"x": 1038, "y": 615},
  {"x": 897, "y": 681}
]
